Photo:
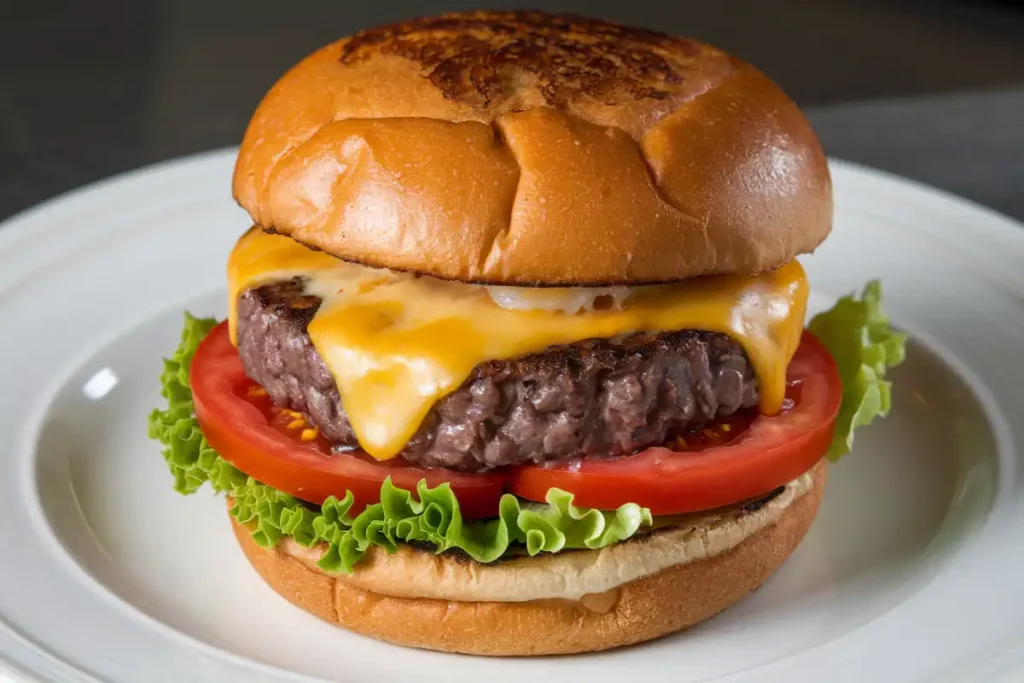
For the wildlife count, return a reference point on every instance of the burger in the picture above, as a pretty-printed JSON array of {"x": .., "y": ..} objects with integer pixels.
[{"x": 515, "y": 359}]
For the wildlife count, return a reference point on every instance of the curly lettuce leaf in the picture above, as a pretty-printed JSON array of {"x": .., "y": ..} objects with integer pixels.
[
  {"x": 559, "y": 524},
  {"x": 190, "y": 459},
  {"x": 857, "y": 334},
  {"x": 429, "y": 516}
]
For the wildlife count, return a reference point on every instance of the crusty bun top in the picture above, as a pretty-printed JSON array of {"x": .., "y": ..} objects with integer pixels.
[{"x": 526, "y": 148}]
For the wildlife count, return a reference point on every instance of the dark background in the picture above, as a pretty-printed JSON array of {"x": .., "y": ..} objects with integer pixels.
[{"x": 88, "y": 89}]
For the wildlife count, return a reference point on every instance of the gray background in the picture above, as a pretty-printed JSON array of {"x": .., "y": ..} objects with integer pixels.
[{"x": 933, "y": 89}]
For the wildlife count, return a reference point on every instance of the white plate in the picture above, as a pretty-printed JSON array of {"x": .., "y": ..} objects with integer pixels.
[{"x": 912, "y": 570}]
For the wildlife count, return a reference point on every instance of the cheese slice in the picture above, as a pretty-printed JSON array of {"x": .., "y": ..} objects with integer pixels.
[{"x": 396, "y": 343}]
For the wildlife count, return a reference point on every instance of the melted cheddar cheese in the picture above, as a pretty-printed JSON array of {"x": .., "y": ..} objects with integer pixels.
[{"x": 396, "y": 343}]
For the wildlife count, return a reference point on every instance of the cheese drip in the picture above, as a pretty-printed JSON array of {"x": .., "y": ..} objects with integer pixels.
[{"x": 396, "y": 343}]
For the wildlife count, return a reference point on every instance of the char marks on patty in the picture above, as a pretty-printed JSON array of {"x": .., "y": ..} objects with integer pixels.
[{"x": 594, "y": 398}]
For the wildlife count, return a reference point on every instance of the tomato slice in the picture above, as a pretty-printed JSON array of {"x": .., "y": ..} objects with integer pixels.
[
  {"x": 741, "y": 457},
  {"x": 771, "y": 451},
  {"x": 242, "y": 425}
]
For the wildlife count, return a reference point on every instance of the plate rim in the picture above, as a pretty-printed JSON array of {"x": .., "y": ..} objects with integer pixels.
[{"x": 21, "y": 226}]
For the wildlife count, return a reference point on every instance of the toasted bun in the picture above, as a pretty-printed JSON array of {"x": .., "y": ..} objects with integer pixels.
[
  {"x": 640, "y": 609},
  {"x": 524, "y": 148}
]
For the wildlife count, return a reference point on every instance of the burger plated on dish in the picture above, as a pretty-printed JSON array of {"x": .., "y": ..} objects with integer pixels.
[{"x": 515, "y": 359}]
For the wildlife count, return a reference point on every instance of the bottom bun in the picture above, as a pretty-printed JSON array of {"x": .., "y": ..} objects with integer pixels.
[{"x": 647, "y": 608}]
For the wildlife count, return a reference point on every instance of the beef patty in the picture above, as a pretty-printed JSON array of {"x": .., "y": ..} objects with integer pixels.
[{"x": 592, "y": 398}]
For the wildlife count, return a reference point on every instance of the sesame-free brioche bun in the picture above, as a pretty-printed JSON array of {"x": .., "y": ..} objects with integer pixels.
[
  {"x": 525, "y": 148},
  {"x": 573, "y": 601}
]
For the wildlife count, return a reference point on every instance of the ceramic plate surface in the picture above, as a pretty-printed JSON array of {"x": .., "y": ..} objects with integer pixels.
[{"x": 912, "y": 571}]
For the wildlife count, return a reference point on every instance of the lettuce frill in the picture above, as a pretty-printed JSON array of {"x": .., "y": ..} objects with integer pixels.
[{"x": 857, "y": 334}]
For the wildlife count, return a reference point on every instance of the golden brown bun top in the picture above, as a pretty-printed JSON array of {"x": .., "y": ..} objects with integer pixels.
[{"x": 526, "y": 148}]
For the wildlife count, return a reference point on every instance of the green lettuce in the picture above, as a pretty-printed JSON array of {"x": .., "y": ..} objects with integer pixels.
[
  {"x": 858, "y": 336},
  {"x": 429, "y": 516}
]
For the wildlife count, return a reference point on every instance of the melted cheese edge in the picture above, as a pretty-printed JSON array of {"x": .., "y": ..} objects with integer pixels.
[{"x": 396, "y": 343}]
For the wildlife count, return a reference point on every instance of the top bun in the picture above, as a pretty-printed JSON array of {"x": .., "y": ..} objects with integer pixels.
[{"x": 526, "y": 148}]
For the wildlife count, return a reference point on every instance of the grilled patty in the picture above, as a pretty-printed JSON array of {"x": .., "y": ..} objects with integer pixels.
[{"x": 598, "y": 397}]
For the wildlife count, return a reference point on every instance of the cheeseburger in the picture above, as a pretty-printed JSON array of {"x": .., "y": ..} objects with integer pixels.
[{"x": 515, "y": 359}]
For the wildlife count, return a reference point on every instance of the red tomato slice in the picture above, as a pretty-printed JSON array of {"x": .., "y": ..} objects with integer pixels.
[
  {"x": 244, "y": 427},
  {"x": 742, "y": 457},
  {"x": 770, "y": 452}
]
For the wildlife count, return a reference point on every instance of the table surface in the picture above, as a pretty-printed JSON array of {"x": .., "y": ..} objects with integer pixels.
[{"x": 932, "y": 89}]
